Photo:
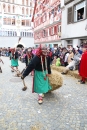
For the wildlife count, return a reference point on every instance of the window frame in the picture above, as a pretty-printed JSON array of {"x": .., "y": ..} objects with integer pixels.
[{"x": 85, "y": 10}]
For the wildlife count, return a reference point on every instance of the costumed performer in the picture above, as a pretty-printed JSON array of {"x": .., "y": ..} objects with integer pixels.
[
  {"x": 14, "y": 59},
  {"x": 40, "y": 63},
  {"x": 83, "y": 65}
]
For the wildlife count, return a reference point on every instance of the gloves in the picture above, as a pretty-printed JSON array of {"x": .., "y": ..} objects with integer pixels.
[{"x": 22, "y": 77}]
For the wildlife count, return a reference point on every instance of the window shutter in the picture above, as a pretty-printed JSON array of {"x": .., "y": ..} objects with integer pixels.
[
  {"x": 55, "y": 30},
  {"x": 70, "y": 15},
  {"x": 50, "y": 31}
]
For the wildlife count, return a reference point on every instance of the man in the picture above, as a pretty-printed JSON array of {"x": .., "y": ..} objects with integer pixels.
[
  {"x": 41, "y": 63},
  {"x": 74, "y": 62},
  {"x": 83, "y": 65},
  {"x": 65, "y": 58}
]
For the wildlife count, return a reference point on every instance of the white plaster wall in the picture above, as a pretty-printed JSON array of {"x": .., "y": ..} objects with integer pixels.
[
  {"x": 76, "y": 42},
  {"x": 11, "y": 41},
  {"x": 72, "y": 30}
]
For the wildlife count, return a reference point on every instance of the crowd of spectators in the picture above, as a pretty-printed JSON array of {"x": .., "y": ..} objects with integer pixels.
[{"x": 68, "y": 57}]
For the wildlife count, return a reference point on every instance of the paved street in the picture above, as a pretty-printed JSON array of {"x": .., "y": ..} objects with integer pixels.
[{"x": 63, "y": 109}]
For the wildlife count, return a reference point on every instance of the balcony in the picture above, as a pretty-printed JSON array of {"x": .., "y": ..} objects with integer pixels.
[{"x": 67, "y": 1}]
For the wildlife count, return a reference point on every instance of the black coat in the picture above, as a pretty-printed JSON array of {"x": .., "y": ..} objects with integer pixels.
[{"x": 35, "y": 63}]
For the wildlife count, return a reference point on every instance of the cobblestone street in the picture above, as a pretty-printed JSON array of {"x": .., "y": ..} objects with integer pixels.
[{"x": 63, "y": 109}]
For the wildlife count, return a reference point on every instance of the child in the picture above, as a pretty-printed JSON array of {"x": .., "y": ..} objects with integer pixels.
[
  {"x": 58, "y": 62},
  {"x": 54, "y": 60}
]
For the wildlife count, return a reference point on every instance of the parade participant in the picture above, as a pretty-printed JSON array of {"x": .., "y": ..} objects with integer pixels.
[
  {"x": 14, "y": 59},
  {"x": 83, "y": 65},
  {"x": 41, "y": 64},
  {"x": 0, "y": 67}
]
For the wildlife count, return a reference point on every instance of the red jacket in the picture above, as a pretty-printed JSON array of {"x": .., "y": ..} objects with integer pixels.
[{"x": 83, "y": 65}]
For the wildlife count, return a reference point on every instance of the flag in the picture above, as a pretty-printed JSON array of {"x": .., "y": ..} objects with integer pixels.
[{"x": 34, "y": 10}]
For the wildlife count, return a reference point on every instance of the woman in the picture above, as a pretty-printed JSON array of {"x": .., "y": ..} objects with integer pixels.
[
  {"x": 41, "y": 64},
  {"x": 70, "y": 56}
]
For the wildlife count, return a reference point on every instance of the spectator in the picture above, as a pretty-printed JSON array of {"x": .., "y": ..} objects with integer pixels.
[
  {"x": 79, "y": 16},
  {"x": 58, "y": 62},
  {"x": 71, "y": 55},
  {"x": 74, "y": 62},
  {"x": 65, "y": 58}
]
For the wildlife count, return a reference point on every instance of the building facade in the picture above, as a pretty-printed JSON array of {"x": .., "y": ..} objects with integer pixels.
[
  {"x": 47, "y": 23},
  {"x": 15, "y": 19},
  {"x": 74, "y": 22}
]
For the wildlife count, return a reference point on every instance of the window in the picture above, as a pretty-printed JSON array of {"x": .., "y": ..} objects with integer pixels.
[
  {"x": 44, "y": 33},
  {"x": 9, "y": 8},
  {"x": 55, "y": 30},
  {"x": 22, "y": 10},
  {"x": 13, "y": 21},
  {"x": 23, "y": 22},
  {"x": 4, "y": 21},
  {"x": 59, "y": 8},
  {"x": 70, "y": 15},
  {"x": 22, "y": 2},
  {"x": 13, "y": 9},
  {"x": 26, "y": 2},
  {"x": 9, "y": 21},
  {"x": 4, "y": 7},
  {"x": 30, "y": 4},
  {"x": 30, "y": 12},
  {"x": 27, "y": 23},
  {"x": 27, "y": 11},
  {"x": 80, "y": 11},
  {"x": 52, "y": 31}
]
